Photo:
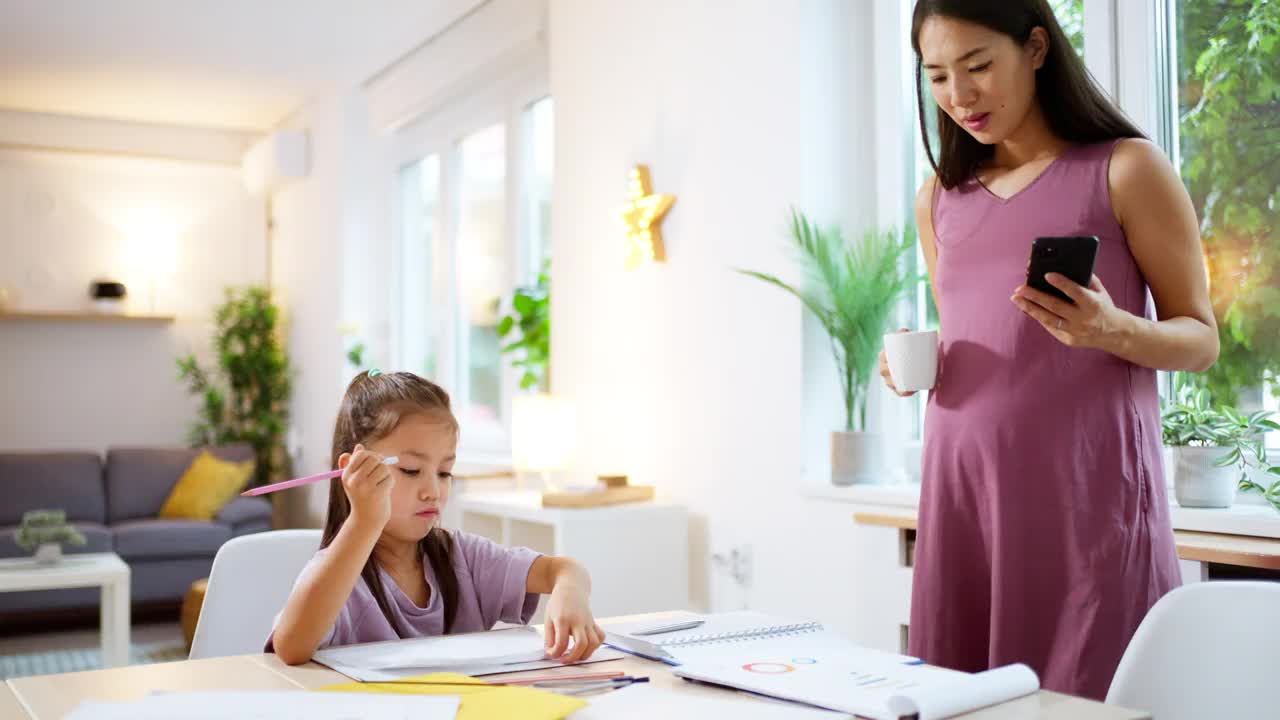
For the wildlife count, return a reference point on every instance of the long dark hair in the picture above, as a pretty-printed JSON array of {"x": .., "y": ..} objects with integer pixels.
[
  {"x": 371, "y": 408},
  {"x": 1074, "y": 106}
]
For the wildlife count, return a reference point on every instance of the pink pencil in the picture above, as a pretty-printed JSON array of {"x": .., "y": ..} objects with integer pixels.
[{"x": 296, "y": 482}]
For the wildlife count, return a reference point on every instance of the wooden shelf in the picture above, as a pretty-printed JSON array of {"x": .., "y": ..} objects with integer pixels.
[
  {"x": 1228, "y": 549},
  {"x": 84, "y": 316}
]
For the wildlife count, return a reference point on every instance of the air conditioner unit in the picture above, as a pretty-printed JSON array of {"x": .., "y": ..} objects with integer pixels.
[{"x": 275, "y": 160}]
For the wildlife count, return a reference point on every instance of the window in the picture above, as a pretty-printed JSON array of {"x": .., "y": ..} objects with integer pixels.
[
  {"x": 539, "y": 135},
  {"x": 483, "y": 267},
  {"x": 1224, "y": 63},
  {"x": 474, "y": 213},
  {"x": 1070, "y": 14},
  {"x": 421, "y": 279}
]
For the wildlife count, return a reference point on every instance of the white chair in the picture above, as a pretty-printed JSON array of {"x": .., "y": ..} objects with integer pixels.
[
  {"x": 1207, "y": 650},
  {"x": 250, "y": 582}
]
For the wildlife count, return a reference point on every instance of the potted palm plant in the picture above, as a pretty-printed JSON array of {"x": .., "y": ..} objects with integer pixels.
[
  {"x": 44, "y": 531},
  {"x": 1213, "y": 449},
  {"x": 851, "y": 288}
]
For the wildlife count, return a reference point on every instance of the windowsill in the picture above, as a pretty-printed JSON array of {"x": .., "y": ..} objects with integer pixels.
[
  {"x": 1239, "y": 519},
  {"x": 1243, "y": 518},
  {"x": 888, "y": 495}
]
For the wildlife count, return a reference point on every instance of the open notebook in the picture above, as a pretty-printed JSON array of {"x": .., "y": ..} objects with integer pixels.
[
  {"x": 719, "y": 631},
  {"x": 482, "y": 653}
]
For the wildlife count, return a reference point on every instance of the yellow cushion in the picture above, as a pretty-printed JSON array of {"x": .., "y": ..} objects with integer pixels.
[{"x": 205, "y": 487}]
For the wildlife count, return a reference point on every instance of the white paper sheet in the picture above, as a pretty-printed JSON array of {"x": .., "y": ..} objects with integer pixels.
[
  {"x": 488, "y": 653},
  {"x": 273, "y": 705},
  {"x": 601, "y": 655},
  {"x": 966, "y": 694},
  {"x": 498, "y": 647}
]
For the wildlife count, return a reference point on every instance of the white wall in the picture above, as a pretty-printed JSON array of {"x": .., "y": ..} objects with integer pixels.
[
  {"x": 67, "y": 217},
  {"x": 330, "y": 267},
  {"x": 692, "y": 376}
]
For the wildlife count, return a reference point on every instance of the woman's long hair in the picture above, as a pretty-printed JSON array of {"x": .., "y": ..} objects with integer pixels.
[{"x": 1073, "y": 105}]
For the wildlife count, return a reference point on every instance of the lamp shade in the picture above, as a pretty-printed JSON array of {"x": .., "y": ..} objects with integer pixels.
[{"x": 542, "y": 432}]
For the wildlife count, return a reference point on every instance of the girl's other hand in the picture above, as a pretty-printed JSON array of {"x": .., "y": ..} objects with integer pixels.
[{"x": 569, "y": 616}]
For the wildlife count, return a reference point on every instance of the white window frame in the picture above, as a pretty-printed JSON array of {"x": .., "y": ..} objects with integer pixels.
[{"x": 504, "y": 101}]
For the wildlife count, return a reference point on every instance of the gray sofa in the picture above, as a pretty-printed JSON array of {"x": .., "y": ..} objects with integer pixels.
[{"x": 116, "y": 506}]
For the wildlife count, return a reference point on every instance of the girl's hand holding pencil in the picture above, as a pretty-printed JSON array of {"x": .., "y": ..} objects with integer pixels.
[
  {"x": 367, "y": 479},
  {"x": 364, "y": 473}
]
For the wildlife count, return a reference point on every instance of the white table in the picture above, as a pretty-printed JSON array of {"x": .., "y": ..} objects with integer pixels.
[
  {"x": 87, "y": 570},
  {"x": 50, "y": 697}
]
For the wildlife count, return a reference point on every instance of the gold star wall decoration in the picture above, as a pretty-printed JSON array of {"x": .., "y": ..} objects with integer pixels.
[{"x": 643, "y": 216}]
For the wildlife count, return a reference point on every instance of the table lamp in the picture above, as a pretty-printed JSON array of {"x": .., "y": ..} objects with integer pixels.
[{"x": 543, "y": 428}]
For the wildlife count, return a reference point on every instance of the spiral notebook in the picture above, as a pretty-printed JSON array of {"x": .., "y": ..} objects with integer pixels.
[{"x": 721, "y": 635}]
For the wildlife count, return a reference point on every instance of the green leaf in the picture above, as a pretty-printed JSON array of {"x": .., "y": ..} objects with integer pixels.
[{"x": 505, "y": 325}]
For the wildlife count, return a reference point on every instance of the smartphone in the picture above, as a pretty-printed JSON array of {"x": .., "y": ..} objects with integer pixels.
[{"x": 1071, "y": 256}]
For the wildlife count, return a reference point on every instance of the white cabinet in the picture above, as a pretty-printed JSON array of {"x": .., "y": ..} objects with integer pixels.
[{"x": 637, "y": 553}]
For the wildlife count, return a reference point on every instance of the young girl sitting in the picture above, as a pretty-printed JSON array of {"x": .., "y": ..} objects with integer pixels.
[{"x": 385, "y": 570}]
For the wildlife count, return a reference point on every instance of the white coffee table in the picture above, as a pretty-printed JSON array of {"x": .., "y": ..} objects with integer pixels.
[{"x": 87, "y": 570}]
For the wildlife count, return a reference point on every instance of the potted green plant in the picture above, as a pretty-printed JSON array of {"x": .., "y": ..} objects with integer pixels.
[
  {"x": 44, "y": 531},
  {"x": 851, "y": 288},
  {"x": 1213, "y": 449},
  {"x": 246, "y": 399},
  {"x": 531, "y": 315}
]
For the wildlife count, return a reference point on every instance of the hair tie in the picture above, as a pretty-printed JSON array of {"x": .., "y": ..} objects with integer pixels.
[{"x": 374, "y": 372}]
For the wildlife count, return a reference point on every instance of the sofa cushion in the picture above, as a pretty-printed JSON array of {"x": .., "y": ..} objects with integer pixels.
[
  {"x": 243, "y": 510},
  {"x": 205, "y": 488},
  {"x": 156, "y": 539},
  {"x": 55, "y": 481},
  {"x": 139, "y": 479},
  {"x": 97, "y": 538}
]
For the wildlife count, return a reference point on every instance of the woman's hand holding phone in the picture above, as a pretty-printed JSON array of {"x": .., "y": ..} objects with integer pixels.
[{"x": 1093, "y": 321}]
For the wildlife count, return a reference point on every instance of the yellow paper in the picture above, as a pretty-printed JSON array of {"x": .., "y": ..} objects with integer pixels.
[{"x": 484, "y": 702}]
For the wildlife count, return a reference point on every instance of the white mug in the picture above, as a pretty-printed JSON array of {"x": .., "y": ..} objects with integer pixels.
[{"x": 913, "y": 359}]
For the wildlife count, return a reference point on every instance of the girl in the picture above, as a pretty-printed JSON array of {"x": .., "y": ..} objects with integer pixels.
[
  {"x": 1044, "y": 526},
  {"x": 386, "y": 570}
]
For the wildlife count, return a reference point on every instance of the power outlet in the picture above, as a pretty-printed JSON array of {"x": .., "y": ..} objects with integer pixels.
[{"x": 737, "y": 562}]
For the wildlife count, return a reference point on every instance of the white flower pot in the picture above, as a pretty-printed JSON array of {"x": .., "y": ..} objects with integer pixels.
[
  {"x": 49, "y": 554},
  {"x": 1198, "y": 483},
  {"x": 858, "y": 458}
]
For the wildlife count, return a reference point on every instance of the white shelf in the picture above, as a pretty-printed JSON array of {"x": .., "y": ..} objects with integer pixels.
[
  {"x": 637, "y": 553},
  {"x": 527, "y": 505}
]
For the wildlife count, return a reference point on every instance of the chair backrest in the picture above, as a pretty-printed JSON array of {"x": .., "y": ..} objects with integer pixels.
[
  {"x": 1206, "y": 650},
  {"x": 251, "y": 579}
]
